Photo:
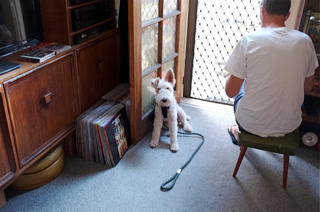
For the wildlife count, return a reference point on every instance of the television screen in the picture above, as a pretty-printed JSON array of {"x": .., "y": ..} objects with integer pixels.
[{"x": 20, "y": 25}]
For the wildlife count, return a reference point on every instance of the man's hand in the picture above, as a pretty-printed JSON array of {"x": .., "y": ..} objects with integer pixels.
[{"x": 308, "y": 84}]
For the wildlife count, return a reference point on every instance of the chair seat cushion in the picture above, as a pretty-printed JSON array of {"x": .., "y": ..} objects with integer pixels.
[{"x": 287, "y": 144}]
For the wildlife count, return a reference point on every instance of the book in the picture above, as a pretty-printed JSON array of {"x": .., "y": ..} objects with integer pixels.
[
  {"x": 39, "y": 45},
  {"x": 6, "y": 66},
  {"x": 316, "y": 87},
  {"x": 313, "y": 27},
  {"x": 306, "y": 20},
  {"x": 37, "y": 56},
  {"x": 56, "y": 47}
]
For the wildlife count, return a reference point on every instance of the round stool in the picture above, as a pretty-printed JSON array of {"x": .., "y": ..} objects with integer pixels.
[{"x": 42, "y": 172}]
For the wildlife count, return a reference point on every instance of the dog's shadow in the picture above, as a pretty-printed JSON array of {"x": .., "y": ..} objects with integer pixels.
[{"x": 164, "y": 140}]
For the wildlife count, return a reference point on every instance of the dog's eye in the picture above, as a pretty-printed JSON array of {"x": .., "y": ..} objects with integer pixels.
[
  {"x": 168, "y": 88},
  {"x": 159, "y": 89}
]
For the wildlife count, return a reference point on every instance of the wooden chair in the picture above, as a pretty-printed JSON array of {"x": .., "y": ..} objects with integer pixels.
[{"x": 286, "y": 145}]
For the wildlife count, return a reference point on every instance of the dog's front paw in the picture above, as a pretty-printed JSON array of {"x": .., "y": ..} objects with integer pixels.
[
  {"x": 187, "y": 128},
  {"x": 174, "y": 147},
  {"x": 154, "y": 144}
]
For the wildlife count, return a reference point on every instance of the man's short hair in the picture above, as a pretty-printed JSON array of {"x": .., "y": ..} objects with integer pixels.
[{"x": 277, "y": 7}]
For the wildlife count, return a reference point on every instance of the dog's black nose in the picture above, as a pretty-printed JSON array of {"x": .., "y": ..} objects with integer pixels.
[{"x": 164, "y": 100}]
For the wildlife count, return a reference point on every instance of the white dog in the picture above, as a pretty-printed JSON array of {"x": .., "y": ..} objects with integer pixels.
[{"x": 167, "y": 110}]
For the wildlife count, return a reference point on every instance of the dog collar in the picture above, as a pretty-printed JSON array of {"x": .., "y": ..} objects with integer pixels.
[{"x": 165, "y": 111}]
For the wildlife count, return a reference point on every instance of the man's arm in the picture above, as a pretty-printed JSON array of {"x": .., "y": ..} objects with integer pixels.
[
  {"x": 233, "y": 85},
  {"x": 308, "y": 83}
]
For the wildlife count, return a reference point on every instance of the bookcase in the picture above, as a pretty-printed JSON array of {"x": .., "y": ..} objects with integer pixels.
[{"x": 311, "y": 117}]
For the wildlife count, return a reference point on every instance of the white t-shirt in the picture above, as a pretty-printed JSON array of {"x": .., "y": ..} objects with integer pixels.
[{"x": 275, "y": 63}]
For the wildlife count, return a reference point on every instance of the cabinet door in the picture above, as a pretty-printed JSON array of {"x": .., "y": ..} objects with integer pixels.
[
  {"x": 98, "y": 68},
  {"x": 42, "y": 105}
]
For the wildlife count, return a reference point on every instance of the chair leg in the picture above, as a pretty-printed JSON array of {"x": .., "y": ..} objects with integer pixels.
[
  {"x": 243, "y": 151},
  {"x": 285, "y": 170}
]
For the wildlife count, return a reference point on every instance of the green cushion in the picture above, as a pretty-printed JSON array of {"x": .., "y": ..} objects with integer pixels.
[{"x": 287, "y": 144}]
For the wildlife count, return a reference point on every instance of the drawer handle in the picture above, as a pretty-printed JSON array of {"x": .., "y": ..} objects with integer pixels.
[
  {"x": 47, "y": 98},
  {"x": 100, "y": 66}
]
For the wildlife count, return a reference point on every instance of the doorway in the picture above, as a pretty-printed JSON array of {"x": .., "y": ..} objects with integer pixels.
[{"x": 214, "y": 29}]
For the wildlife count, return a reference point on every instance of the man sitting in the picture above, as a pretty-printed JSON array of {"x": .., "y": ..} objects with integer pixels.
[{"x": 270, "y": 69}]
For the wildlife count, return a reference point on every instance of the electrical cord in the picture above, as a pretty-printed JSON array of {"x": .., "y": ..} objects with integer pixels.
[{"x": 173, "y": 179}]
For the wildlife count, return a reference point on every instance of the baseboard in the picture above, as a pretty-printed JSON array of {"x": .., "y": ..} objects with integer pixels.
[{"x": 3, "y": 201}]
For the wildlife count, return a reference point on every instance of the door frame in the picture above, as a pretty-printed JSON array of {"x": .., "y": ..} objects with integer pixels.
[{"x": 140, "y": 126}]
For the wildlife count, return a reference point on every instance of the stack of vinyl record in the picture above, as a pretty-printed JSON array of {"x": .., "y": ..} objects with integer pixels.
[
  {"x": 102, "y": 131},
  {"x": 120, "y": 94}
]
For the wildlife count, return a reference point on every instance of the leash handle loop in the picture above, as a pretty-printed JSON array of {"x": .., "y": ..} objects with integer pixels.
[{"x": 173, "y": 179}]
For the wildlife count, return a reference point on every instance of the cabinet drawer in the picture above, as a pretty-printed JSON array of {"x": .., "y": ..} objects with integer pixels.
[
  {"x": 43, "y": 105},
  {"x": 98, "y": 68}
]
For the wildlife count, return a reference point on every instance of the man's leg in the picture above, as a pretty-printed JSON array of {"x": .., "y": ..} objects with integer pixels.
[
  {"x": 238, "y": 97},
  {"x": 233, "y": 130}
]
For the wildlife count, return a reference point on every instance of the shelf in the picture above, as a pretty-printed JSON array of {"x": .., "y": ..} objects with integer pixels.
[
  {"x": 92, "y": 26},
  {"x": 315, "y": 147},
  {"x": 82, "y": 4},
  {"x": 312, "y": 119},
  {"x": 313, "y": 5},
  {"x": 313, "y": 95}
]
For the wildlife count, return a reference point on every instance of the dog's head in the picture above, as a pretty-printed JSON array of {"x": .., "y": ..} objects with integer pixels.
[{"x": 164, "y": 89}]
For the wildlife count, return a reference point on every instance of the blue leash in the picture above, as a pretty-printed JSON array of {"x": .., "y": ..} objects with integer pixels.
[{"x": 173, "y": 179}]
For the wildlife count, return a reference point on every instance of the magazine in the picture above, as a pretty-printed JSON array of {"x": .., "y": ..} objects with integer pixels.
[{"x": 37, "y": 56}]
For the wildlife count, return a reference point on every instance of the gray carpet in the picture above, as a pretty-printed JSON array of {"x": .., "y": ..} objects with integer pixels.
[{"x": 206, "y": 184}]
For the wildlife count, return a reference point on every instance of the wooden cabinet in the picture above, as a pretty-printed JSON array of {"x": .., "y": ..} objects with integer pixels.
[
  {"x": 98, "y": 68},
  {"x": 40, "y": 101},
  {"x": 57, "y": 20},
  {"x": 42, "y": 104}
]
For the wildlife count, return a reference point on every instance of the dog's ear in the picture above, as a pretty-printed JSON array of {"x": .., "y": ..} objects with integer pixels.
[
  {"x": 170, "y": 77},
  {"x": 155, "y": 82}
]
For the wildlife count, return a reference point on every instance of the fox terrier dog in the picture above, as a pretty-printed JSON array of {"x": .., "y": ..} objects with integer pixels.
[{"x": 168, "y": 111}]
